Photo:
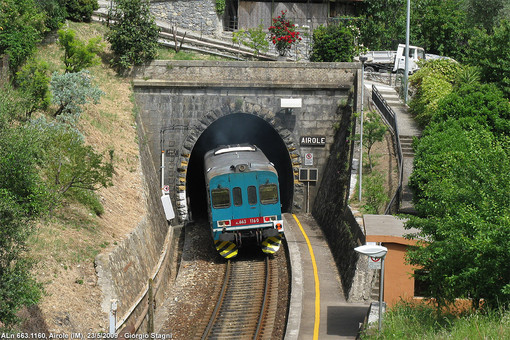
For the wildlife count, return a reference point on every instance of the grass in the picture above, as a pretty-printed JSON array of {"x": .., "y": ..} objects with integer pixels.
[{"x": 419, "y": 321}]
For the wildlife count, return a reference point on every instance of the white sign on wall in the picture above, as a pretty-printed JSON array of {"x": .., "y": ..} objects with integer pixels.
[
  {"x": 309, "y": 158},
  {"x": 374, "y": 262}
]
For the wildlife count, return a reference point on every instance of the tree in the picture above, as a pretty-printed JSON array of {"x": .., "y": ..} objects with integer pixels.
[
  {"x": 373, "y": 131},
  {"x": 476, "y": 105},
  {"x": 491, "y": 53},
  {"x": 22, "y": 27},
  {"x": 77, "y": 54},
  {"x": 461, "y": 181},
  {"x": 433, "y": 81},
  {"x": 335, "y": 43},
  {"x": 68, "y": 162},
  {"x": 33, "y": 81},
  {"x": 81, "y": 10},
  {"x": 254, "y": 38},
  {"x": 440, "y": 27},
  {"x": 484, "y": 14},
  {"x": 382, "y": 23},
  {"x": 71, "y": 91},
  {"x": 23, "y": 197},
  {"x": 132, "y": 45}
]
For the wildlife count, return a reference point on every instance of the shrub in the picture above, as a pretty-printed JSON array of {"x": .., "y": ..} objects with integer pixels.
[
  {"x": 55, "y": 11},
  {"x": 476, "y": 105},
  {"x": 433, "y": 81},
  {"x": 132, "y": 45},
  {"x": 22, "y": 25},
  {"x": 374, "y": 193},
  {"x": 77, "y": 54},
  {"x": 81, "y": 10},
  {"x": 33, "y": 81},
  {"x": 491, "y": 53},
  {"x": 460, "y": 181},
  {"x": 334, "y": 43},
  {"x": 254, "y": 38},
  {"x": 71, "y": 91},
  {"x": 283, "y": 34}
]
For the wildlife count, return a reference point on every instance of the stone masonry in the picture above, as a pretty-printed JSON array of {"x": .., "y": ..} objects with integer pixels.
[{"x": 183, "y": 98}]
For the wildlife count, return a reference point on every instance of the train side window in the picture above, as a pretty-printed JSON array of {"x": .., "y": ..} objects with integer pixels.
[
  {"x": 220, "y": 198},
  {"x": 268, "y": 194},
  {"x": 252, "y": 195},
  {"x": 237, "y": 196}
]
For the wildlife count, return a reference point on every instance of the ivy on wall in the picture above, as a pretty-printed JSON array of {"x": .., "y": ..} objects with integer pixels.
[{"x": 220, "y": 7}]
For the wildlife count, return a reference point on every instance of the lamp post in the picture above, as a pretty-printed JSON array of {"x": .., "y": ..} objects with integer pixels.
[
  {"x": 377, "y": 252},
  {"x": 406, "y": 70},
  {"x": 362, "y": 59}
]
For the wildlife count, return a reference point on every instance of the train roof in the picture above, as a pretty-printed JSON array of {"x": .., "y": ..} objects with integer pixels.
[{"x": 235, "y": 158}]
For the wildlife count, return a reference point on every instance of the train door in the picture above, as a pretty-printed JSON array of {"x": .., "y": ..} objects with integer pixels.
[{"x": 244, "y": 195}]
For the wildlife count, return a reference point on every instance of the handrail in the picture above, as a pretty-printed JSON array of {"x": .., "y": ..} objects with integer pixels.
[{"x": 391, "y": 118}]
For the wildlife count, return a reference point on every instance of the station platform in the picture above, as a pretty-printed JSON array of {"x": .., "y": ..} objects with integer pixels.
[{"x": 318, "y": 308}]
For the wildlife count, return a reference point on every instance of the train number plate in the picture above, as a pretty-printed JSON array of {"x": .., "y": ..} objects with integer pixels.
[{"x": 245, "y": 221}]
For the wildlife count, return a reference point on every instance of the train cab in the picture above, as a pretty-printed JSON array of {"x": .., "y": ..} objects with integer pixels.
[{"x": 243, "y": 199}]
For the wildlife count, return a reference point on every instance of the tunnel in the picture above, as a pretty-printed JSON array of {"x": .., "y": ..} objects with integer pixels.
[{"x": 238, "y": 128}]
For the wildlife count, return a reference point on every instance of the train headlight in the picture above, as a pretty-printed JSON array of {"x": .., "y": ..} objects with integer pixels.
[
  {"x": 224, "y": 223},
  {"x": 269, "y": 218}
]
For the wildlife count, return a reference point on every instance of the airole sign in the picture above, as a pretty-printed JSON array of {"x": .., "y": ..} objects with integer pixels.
[{"x": 312, "y": 140}]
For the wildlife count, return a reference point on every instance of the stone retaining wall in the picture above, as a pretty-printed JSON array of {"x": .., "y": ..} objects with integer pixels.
[
  {"x": 194, "y": 15},
  {"x": 123, "y": 274}
]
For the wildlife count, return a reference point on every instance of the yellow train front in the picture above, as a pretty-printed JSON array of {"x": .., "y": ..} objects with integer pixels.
[{"x": 243, "y": 199}]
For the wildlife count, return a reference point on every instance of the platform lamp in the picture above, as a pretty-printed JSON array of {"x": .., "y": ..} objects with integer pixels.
[
  {"x": 377, "y": 252},
  {"x": 363, "y": 59}
]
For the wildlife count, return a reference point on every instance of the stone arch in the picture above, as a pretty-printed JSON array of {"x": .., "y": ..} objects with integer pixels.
[{"x": 195, "y": 131}]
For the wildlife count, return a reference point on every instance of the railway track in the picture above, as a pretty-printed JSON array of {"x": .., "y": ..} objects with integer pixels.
[{"x": 247, "y": 303}]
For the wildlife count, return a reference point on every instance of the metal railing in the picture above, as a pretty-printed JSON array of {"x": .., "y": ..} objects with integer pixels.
[{"x": 391, "y": 119}]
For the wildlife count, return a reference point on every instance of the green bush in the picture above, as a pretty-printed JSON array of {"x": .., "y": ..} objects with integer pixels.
[
  {"x": 77, "y": 54},
  {"x": 476, "y": 104},
  {"x": 131, "y": 44},
  {"x": 334, "y": 43},
  {"x": 254, "y": 38},
  {"x": 220, "y": 7},
  {"x": 55, "y": 11},
  {"x": 460, "y": 181},
  {"x": 22, "y": 27},
  {"x": 491, "y": 54},
  {"x": 33, "y": 81},
  {"x": 374, "y": 193},
  {"x": 433, "y": 81},
  {"x": 81, "y": 10},
  {"x": 70, "y": 91},
  {"x": 23, "y": 197}
]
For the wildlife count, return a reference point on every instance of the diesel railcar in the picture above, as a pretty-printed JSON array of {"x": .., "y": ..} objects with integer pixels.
[{"x": 243, "y": 199}]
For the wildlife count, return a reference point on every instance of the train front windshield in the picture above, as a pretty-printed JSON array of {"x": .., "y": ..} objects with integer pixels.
[
  {"x": 220, "y": 198},
  {"x": 268, "y": 194}
]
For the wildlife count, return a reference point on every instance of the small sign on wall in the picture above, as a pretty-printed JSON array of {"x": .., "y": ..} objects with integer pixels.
[
  {"x": 374, "y": 262},
  {"x": 309, "y": 158}
]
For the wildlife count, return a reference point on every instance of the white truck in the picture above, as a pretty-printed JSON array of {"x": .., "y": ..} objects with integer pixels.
[{"x": 393, "y": 61}]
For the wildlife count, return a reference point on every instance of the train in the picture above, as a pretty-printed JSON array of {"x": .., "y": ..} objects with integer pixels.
[{"x": 243, "y": 199}]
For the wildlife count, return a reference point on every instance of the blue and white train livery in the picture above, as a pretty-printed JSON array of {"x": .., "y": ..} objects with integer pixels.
[{"x": 243, "y": 199}]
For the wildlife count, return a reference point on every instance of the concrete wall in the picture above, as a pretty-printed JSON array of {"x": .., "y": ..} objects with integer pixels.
[
  {"x": 331, "y": 212},
  {"x": 123, "y": 273},
  {"x": 178, "y": 100}
]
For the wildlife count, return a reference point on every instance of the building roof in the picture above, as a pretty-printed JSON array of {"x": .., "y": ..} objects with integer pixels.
[{"x": 386, "y": 228}]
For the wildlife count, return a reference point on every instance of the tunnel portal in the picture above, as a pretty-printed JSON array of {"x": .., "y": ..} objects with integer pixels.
[{"x": 236, "y": 129}]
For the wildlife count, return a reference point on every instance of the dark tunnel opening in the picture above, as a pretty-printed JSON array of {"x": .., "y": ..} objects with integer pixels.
[{"x": 236, "y": 129}]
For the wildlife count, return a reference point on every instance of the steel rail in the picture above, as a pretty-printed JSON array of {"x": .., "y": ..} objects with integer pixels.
[
  {"x": 263, "y": 307},
  {"x": 219, "y": 302}
]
